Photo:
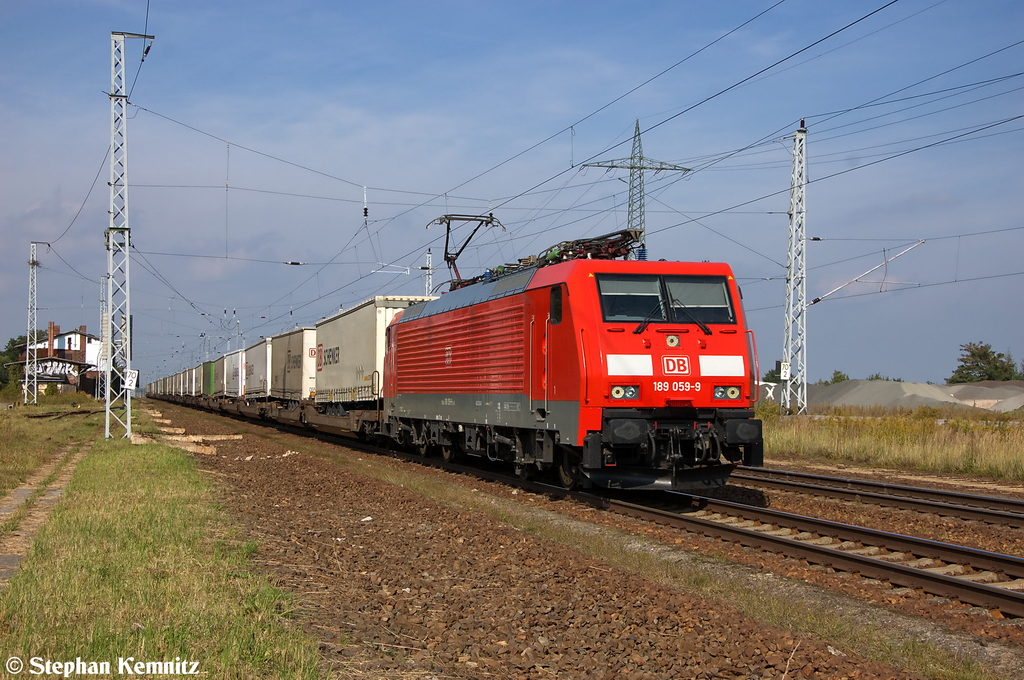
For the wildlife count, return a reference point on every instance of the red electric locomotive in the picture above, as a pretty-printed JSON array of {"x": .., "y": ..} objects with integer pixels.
[{"x": 616, "y": 373}]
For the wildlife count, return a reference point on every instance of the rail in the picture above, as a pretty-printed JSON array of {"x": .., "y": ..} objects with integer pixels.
[
  {"x": 856, "y": 549},
  {"x": 990, "y": 509}
]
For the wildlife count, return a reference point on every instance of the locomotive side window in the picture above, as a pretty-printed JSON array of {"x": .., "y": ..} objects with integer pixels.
[
  {"x": 630, "y": 297},
  {"x": 556, "y": 305},
  {"x": 704, "y": 298},
  {"x": 649, "y": 298}
]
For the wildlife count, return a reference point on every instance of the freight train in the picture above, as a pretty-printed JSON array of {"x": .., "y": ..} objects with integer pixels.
[{"x": 602, "y": 371}]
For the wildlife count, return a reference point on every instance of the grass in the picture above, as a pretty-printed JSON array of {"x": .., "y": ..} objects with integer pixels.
[
  {"x": 137, "y": 561},
  {"x": 960, "y": 441}
]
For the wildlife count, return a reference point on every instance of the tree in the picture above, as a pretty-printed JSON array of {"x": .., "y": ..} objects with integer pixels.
[
  {"x": 772, "y": 376},
  {"x": 11, "y": 353},
  {"x": 978, "y": 362},
  {"x": 879, "y": 376},
  {"x": 837, "y": 377}
]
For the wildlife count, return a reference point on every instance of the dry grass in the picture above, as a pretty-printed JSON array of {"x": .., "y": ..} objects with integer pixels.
[{"x": 962, "y": 442}]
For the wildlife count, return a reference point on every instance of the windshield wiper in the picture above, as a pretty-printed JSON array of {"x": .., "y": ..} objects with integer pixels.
[
  {"x": 650, "y": 316},
  {"x": 676, "y": 304}
]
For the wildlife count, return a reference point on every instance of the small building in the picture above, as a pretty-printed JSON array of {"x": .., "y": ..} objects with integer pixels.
[{"x": 67, "y": 360}]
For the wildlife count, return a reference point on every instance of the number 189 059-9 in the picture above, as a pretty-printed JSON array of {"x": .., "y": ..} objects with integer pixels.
[{"x": 676, "y": 386}]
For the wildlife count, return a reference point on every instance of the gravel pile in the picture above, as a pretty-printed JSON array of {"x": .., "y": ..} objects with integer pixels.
[
  {"x": 996, "y": 396},
  {"x": 1011, "y": 404},
  {"x": 884, "y": 393}
]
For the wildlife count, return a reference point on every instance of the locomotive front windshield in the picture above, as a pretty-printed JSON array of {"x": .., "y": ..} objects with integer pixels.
[{"x": 654, "y": 298}]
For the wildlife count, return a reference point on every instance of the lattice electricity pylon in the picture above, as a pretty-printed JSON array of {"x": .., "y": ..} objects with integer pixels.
[
  {"x": 117, "y": 396},
  {"x": 637, "y": 164},
  {"x": 31, "y": 353},
  {"x": 118, "y": 374},
  {"x": 101, "y": 367},
  {"x": 794, "y": 351}
]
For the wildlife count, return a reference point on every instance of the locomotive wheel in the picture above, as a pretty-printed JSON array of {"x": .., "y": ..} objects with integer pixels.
[
  {"x": 449, "y": 453},
  {"x": 569, "y": 471},
  {"x": 408, "y": 441}
]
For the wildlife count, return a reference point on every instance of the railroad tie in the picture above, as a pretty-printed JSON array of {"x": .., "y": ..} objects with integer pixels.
[{"x": 1016, "y": 584}]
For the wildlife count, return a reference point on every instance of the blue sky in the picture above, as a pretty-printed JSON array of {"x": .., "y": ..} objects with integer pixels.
[{"x": 255, "y": 127}]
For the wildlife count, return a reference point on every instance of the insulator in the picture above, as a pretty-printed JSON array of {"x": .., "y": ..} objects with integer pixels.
[{"x": 641, "y": 253}]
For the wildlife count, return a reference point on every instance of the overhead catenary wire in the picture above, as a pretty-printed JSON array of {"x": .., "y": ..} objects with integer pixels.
[
  {"x": 848, "y": 170},
  {"x": 576, "y": 123},
  {"x": 321, "y": 297},
  {"x": 706, "y": 99},
  {"x": 919, "y": 286},
  {"x": 297, "y": 165},
  {"x": 843, "y": 172}
]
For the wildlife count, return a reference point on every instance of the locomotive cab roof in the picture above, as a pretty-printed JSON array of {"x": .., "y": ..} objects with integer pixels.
[{"x": 574, "y": 273}]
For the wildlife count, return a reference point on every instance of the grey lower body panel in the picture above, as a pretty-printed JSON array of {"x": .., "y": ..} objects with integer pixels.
[{"x": 494, "y": 410}]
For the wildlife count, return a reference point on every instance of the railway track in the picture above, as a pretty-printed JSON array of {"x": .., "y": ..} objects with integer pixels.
[
  {"x": 990, "y": 509},
  {"x": 976, "y": 577}
]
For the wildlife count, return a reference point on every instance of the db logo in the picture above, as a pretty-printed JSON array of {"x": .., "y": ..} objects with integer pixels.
[
  {"x": 313, "y": 352},
  {"x": 676, "y": 365}
]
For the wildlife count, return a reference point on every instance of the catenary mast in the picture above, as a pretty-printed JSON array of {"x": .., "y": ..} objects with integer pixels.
[
  {"x": 31, "y": 353},
  {"x": 794, "y": 366},
  {"x": 116, "y": 313}
]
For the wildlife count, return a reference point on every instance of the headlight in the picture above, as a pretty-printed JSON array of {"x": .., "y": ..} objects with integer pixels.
[
  {"x": 625, "y": 392},
  {"x": 729, "y": 392}
]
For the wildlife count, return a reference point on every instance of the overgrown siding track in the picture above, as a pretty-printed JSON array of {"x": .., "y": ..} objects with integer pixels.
[{"x": 990, "y": 509}]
